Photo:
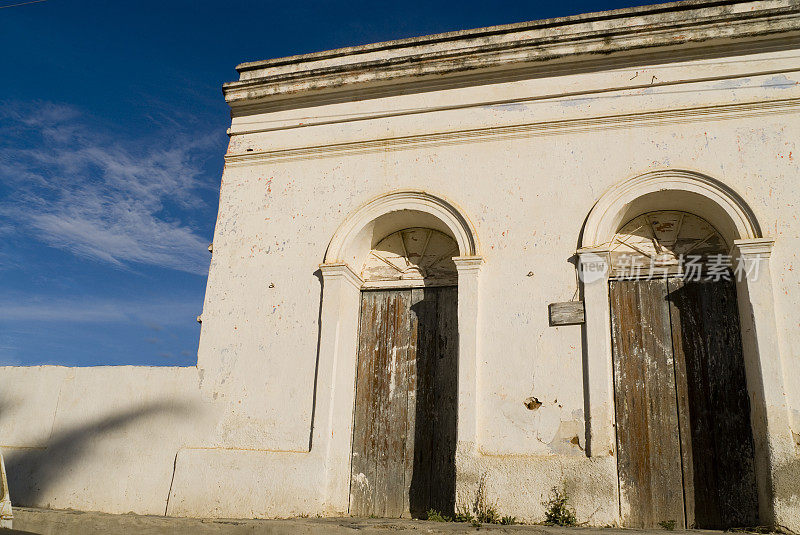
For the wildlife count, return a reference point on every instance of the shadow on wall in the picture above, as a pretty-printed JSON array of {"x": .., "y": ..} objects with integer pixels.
[
  {"x": 318, "y": 275},
  {"x": 32, "y": 471}
]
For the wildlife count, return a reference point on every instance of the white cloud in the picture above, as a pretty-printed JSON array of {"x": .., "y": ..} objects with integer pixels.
[{"x": 111, "y": 200}]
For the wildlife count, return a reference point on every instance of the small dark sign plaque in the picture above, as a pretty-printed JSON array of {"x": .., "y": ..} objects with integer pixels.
[{"x": 569, "y": 313}]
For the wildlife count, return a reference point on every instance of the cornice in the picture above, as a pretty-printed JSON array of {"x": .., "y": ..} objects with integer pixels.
[
  {"x": 553, "y": 127},
  {"x": 514, "y": 46}
]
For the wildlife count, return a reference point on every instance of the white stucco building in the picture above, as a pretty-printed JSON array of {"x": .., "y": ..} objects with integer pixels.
[{"x": 477, "y": 171}]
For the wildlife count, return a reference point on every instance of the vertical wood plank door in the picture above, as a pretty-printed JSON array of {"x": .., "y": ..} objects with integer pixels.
[
  {"x": 649, "y": 453},
  {"x": 685, "y": 445},
  {"x": 403, "y": 456},
  {"x": 713, "y": 405}
]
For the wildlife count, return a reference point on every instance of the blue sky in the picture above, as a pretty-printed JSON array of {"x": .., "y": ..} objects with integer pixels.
[{"x": 112, "y": 132}]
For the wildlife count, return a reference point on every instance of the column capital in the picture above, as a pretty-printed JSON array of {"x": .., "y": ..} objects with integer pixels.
[
  {"x": 468, "y": 263},
  {"x": 594, "y": 264},
  {"x": 340, "y": 270},
  {"x": 761, "y": 247}
]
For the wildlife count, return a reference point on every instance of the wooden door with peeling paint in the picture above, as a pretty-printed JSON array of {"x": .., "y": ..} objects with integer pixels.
[
  {"x": 685, "y": 445},
  {"x": 403, "y": 460},
  {"x": 404, "y": 432}
]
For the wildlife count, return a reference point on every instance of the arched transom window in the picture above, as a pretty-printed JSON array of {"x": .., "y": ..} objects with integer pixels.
[
  {"x": 411, "y": 257},
  {"x": 664, "y": 239}
]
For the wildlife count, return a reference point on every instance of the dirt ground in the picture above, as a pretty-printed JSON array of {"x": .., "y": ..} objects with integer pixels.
[{"x": 53, "y": 522}]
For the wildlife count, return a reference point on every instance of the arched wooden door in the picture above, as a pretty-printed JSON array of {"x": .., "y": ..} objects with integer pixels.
[
  {"x": 403, "y": 450},
  {"x": 685, "y": 445}
]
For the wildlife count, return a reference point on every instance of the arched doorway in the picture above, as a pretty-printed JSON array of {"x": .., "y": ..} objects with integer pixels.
[
  {"x": 342, "y": 288},
  {"x": 404, "y": 425},
  {"x": 684, "y": 439}
]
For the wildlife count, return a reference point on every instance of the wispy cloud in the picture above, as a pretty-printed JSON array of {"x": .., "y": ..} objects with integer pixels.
[
  {"x": 98, "y": 311},
  {"x": 102, "y": 197}
]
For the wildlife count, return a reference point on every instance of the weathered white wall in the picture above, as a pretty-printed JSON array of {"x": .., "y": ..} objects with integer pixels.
[
  {"x": 527, "y": 193},
  {"x": 525, "y": 164}
]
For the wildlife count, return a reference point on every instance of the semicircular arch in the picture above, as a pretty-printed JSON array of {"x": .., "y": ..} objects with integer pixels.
[
  {"x": 671, "y": 189},
  {"x": 390, "y": 212}
]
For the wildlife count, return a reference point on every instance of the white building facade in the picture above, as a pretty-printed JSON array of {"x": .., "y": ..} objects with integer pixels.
[{"x": 480, "y": 171}]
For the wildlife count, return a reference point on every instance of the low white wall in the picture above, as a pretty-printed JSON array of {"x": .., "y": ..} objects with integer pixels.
[{"x": 100, "y": 438}]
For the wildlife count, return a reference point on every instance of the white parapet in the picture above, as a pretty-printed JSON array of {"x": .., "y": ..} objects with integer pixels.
[{"x": 6, "y": 515}]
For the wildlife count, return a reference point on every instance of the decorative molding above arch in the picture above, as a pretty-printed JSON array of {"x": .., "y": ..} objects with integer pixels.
[
  {"x": 409, "y": 200},
  {"x": 687, "y": 190}
]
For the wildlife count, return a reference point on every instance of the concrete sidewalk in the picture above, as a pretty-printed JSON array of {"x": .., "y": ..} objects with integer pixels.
[{"x": 54, "y": 522}]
